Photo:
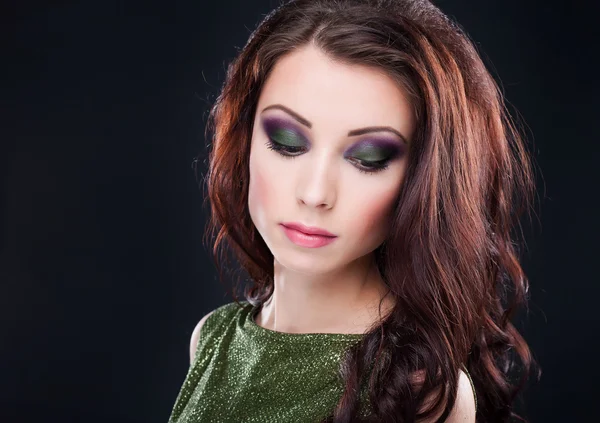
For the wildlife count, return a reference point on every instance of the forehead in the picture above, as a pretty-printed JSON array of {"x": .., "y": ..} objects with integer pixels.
[{"x": 333, "y": 94}]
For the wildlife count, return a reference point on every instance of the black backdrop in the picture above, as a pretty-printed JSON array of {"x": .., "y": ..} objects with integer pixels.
[{"x": 103, "y": 274}]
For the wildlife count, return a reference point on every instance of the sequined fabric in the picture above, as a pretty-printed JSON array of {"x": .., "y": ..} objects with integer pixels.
[{"x": 246, "y": 373}]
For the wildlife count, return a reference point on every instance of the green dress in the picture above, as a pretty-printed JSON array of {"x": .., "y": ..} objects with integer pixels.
[{"x": 243, "y": 372}]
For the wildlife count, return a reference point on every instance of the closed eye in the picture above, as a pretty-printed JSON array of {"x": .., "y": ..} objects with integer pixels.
[{"x": 365, "y": 166}]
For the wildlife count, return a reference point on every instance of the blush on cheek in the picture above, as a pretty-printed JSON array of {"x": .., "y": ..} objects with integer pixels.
[
  {"x": 258, "y": 197},
  {"x": 375, "y": 214}
]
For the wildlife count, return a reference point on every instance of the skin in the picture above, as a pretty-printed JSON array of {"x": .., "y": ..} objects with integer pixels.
[{"x": 336, "y": 288}]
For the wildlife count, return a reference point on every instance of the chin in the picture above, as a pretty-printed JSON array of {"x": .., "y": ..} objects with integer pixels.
[{"x": 310, "y": 261}]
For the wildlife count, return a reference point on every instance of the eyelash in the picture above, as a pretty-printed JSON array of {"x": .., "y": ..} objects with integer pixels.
[{"x": 285, "y": 151}]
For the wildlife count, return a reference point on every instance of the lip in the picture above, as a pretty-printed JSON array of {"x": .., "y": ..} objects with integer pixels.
[
  {"x": 308, "y": 230},
  {"x": 308, "y": 240}
]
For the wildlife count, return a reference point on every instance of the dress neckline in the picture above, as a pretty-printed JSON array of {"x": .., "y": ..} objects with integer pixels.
[{"x": 251, "y": 325}]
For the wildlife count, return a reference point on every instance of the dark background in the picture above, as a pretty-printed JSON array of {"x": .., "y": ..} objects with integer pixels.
[{"x": 103, "y": 273}]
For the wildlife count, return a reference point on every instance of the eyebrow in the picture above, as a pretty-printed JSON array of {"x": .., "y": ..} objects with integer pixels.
[{"x": 354, "y": 132}]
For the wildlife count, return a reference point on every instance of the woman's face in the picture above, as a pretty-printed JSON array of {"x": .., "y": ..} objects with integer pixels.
[{"x": 312, "y": 109}]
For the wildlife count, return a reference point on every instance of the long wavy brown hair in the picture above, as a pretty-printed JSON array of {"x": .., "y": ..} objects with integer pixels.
[{"x": 451, "y": 259}]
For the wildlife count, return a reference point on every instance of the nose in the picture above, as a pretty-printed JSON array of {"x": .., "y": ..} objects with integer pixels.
[{"x": 317, "y": 184}]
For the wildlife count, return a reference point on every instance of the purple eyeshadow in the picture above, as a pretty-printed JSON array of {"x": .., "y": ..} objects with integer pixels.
[
  {"x": 380, "y": 148},
  {"x": 388, "y": 148},
  {"x": 272, "y": 124}
]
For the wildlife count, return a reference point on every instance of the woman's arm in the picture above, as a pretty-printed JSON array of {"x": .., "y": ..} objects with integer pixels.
[
  {"x": 196, "y": 337},
  {"x": 464, "y": 406}
]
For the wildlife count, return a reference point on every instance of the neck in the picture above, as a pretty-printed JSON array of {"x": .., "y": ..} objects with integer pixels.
[{"x": 341, "y": 301}]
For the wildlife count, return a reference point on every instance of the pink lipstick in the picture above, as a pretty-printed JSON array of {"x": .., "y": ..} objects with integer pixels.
[{"x": 307, "y": 236}]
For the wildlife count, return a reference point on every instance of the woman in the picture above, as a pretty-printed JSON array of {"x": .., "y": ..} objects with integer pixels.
[{"x": 367, "y": 177}]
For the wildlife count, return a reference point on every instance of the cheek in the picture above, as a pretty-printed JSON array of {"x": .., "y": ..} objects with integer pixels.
[
  {"x": 261, "y": 192},
  {"x": 371, "y": 219}
]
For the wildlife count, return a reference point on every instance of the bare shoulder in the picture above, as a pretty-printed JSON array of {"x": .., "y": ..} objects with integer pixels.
[
  {"x": 196, "y": 336},
  {"x": 464, "y": 406}
]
